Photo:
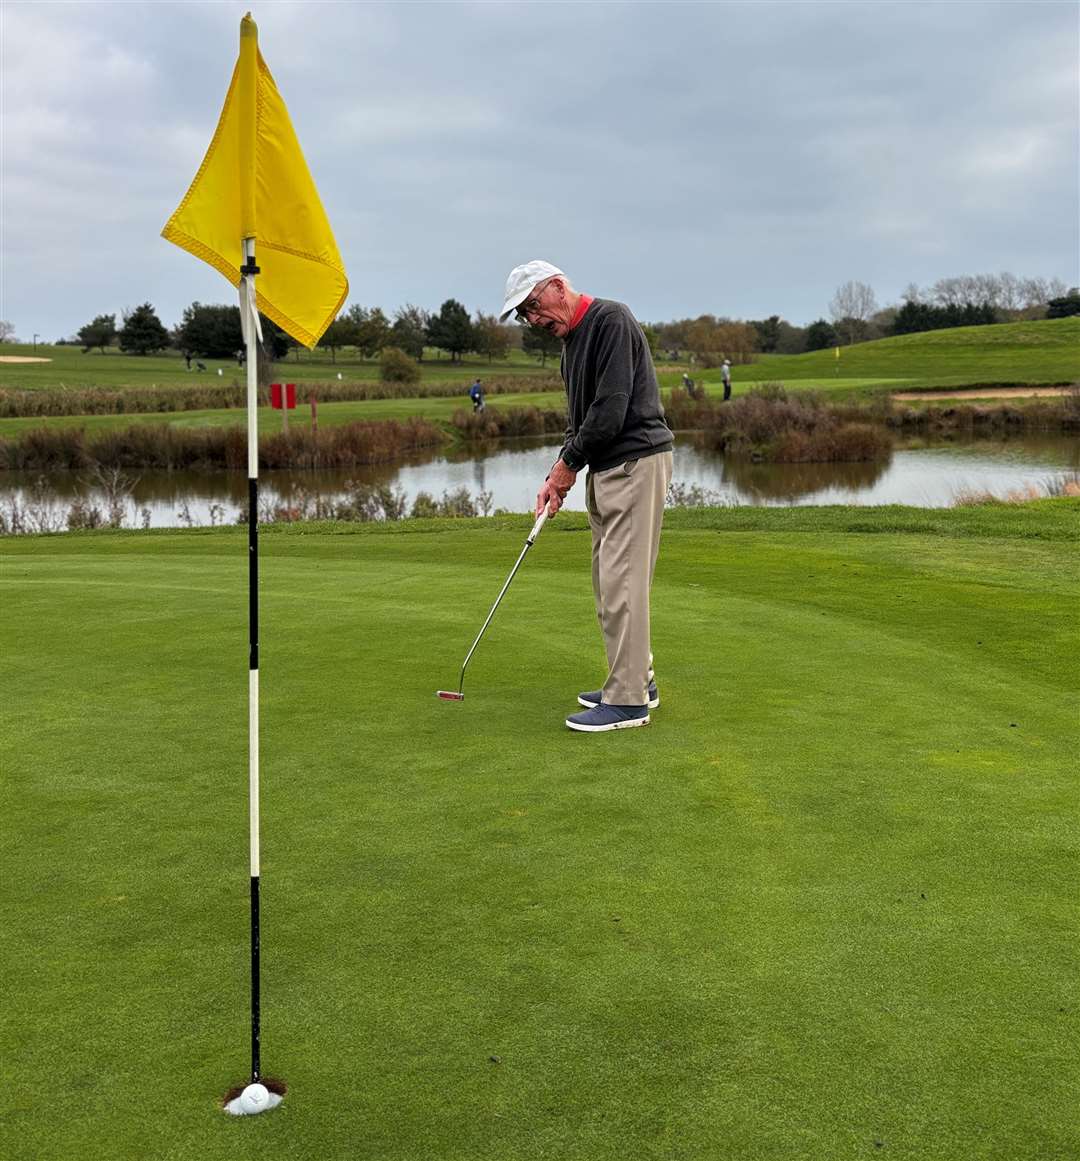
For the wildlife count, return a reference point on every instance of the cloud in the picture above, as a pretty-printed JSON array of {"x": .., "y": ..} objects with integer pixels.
[{"x": 737, "y": 158}]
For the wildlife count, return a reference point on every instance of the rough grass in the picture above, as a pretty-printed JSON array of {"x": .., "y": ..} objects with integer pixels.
[
  {"x": 133, "y": 400},
  {"x": 823, "y": 908}
]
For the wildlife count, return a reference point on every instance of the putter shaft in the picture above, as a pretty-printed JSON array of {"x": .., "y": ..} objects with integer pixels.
[{"x": 540, "y": 521}]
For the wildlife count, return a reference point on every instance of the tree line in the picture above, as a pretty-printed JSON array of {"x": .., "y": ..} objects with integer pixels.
[
  {"x": 855, "y": 317},
  {"x": 213, "y": 331}
]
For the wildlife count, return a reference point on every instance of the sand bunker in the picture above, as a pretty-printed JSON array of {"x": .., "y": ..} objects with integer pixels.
[
  {"x": 22, "y": 359},
  {"x": 983, "y": 393}
]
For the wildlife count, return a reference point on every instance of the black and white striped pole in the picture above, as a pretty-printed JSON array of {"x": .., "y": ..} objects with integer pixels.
[{"x": 259, "y": 1093}]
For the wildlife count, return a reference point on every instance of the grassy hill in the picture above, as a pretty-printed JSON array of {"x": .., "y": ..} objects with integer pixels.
[
  {"x": 822, "y": 908},
  {"x": 1010, "y": 353}
]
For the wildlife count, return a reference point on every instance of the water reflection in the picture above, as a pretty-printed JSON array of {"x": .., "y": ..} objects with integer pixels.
[
  {"x": 787, "y": 483},
  {"x": 920, "y": 472},
  {"x": 1031, "y": 448}
]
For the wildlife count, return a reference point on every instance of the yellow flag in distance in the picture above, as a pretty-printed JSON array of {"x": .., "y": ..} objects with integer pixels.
[{"x": 254, "y": 183}]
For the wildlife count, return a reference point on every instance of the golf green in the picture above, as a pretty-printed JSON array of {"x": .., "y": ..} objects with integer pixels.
[{"x": 824, "y": 907}]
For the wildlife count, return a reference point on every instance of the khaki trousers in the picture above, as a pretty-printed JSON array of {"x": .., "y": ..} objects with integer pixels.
[{"x": 626, "y": 509}]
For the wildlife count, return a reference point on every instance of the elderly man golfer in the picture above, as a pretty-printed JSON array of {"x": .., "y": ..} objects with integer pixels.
[{"x": 617, "y": 429}]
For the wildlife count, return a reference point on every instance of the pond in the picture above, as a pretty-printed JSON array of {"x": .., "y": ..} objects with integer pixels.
[{"x": 920, "y": 473}]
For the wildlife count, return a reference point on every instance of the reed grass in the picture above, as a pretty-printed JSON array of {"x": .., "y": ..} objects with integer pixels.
[
  {"x": 171, "y": 448},
  {"x": 769, "y": 424},
  {"x": 513, "y": 423}
]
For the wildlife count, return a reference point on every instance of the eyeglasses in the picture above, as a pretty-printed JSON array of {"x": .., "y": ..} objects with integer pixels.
[{"x": 531, "y": 304}]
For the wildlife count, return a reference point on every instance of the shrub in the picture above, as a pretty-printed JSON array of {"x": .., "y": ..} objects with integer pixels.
[
  {"x": 397, "y": 367},
  {"x": 424, "y": 506},
  {"x": 770, "y": 392},
  {"x": 456, "y": 503},
  {"x": 846, "y": 443},
  {"x": 365, "y": 502},
  {"x": 681, "y": 495},
  {"x": 768, "y": 424},
  {"x": 84, "y": 513}
]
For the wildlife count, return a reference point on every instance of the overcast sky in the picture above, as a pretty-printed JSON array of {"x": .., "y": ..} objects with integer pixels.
[{"x": 740, "y": 159}]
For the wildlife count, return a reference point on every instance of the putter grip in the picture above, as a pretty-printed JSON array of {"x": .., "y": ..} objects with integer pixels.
[{"x": 537, "y": 526}]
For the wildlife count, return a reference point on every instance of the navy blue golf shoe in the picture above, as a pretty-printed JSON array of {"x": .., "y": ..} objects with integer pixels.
[
  {"x": 609, "y": 717},
  {"x": 593, "y": 699}
]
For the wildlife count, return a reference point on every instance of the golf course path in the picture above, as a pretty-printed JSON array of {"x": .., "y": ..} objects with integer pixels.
[{"x": 983, "y": 393}]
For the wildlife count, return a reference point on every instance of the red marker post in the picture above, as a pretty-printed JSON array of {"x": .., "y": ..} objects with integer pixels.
[{"x": 283, "y": 401}]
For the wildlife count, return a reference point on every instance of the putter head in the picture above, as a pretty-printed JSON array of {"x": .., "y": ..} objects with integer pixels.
[{"x": 448, "y": 695}]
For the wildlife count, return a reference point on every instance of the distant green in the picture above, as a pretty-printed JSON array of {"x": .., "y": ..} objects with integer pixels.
[{"x": 823, "y": 908}]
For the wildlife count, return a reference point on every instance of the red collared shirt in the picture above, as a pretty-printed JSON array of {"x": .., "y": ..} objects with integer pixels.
[{"x": 584, "y": 302}]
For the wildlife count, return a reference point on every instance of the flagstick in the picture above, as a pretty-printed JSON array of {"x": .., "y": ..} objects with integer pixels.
[
  {"x": 259, "y": 1093},
  {"x": 247, "y": 305}
]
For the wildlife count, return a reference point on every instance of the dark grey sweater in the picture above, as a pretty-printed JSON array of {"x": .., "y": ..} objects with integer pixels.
[{"x": 613, "y": 398}]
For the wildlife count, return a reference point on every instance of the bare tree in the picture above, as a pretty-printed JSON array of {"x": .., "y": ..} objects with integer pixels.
[
  {"x": 987, "y": 289},
  {"x": 1011, "y": 296},
  {"x": 1036, "y": 294},
  {"x": 1004, "y": 291},
  {"x": 851, "y": 308},
  {"x": 948, "y": 292},
  {"x": 7, "y": 331},
  {"x": 1032, "y": 292}
]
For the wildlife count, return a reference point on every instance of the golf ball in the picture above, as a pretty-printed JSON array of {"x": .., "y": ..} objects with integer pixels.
[{"x": 254, "y": 1098}]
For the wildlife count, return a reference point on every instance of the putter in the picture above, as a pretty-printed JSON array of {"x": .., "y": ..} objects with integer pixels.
[{"x": 450, "y": 695}]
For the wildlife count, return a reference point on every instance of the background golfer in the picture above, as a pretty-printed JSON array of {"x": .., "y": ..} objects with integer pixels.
[{"x": 616, "y": 428}]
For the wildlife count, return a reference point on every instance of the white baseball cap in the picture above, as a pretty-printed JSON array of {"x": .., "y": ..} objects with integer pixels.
[{"x": 521, "y": 281}]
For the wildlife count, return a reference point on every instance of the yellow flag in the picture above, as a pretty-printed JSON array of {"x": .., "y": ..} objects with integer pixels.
[{"x": 254, "y": 183}]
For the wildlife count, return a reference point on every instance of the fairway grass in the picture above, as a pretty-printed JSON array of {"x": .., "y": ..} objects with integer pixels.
[
  {"x": 823, "y": 908},
  {"x": 329, "y": 414},
  {"x": 68, "y": 366}
]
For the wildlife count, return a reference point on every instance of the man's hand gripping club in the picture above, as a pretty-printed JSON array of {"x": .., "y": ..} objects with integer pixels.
[{"x": 553, "y": 491}]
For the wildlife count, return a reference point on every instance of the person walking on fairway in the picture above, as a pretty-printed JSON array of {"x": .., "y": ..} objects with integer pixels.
[
  {"x": 616, "y": 429},
  {"x": 476, "y": 394},
  {"x": 725, "y": 377}
]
